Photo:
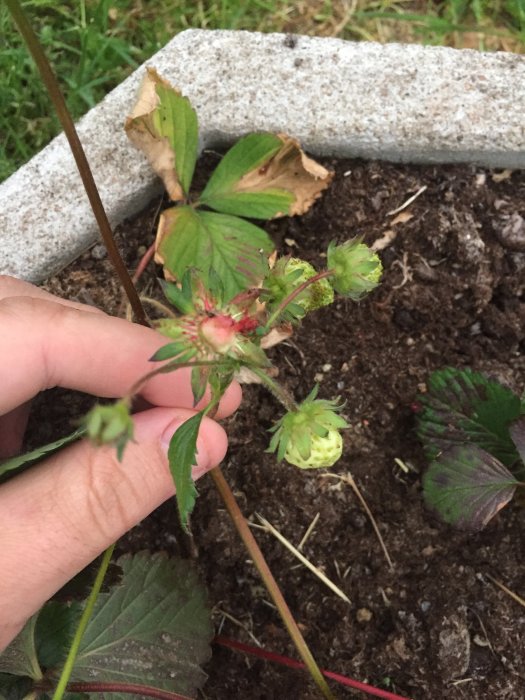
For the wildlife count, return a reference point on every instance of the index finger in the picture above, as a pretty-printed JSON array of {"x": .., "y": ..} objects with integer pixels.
[{"x": 46, "y": 343}]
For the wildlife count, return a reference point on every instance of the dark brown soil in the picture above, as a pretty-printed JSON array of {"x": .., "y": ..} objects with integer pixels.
[{"x": 453, "y": 294}]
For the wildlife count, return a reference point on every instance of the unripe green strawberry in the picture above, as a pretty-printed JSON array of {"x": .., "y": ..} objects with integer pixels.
[
  {"x": 308, "y": 436},
  {"x": 318, "y": 294},
  {"x": 324, "y": 451},
  {"x": 357, "y": 269},
  {"x": 285, "y": 277}
]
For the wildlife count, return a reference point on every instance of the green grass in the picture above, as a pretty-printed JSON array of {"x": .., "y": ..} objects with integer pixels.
[{"x": 95, "y": 44}]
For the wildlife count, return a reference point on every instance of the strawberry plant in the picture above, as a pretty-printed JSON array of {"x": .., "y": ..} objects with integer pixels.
[
  {"x": 473, "y": 432},
  {"x": 227, "y": 294}
]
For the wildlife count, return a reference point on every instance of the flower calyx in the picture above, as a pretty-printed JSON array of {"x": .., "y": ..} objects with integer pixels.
[
  {"x": 356, "y": 269},
  {"x": 308, "y": 437}
]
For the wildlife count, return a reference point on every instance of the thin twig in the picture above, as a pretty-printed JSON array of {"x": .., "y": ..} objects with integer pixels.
[
  {"x": 270, "y": 528},
  {"x": 506, "y": 590},
  {"x": 349, "y": 479},
  {"x": 408, "y": 202},
  {"x": 308, "y": 532},
  {"x": 237, "y": 622}
]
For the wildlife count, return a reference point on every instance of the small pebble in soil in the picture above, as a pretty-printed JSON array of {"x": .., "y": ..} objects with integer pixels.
[
  {"x": 99, "y": 252},
  {"x": 425, "y": 606},
  {"x": 511, "y": 232},
  {"x": 363, "y": 615}
]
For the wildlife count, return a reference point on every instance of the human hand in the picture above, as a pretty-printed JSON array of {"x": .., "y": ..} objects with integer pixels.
[{"x": 59, "y": 516}]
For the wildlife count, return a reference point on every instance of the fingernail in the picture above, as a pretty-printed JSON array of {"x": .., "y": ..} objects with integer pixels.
[{"x": 202, "y": 456}]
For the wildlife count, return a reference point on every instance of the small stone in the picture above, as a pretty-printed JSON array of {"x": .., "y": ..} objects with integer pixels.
[
  {"x": 454, "y": 645},
  {"x": 481, "y": 179},
  {"x": 425, "y": 606},
  {"x": 363, "y": 615},
  {"x": 99, "y": 252},
  {"x": 327, "y": 367},
  {"x": 319, "y": 376},
  {"x": 511, "y": 234},
  {"x": 340, "y": 386}
]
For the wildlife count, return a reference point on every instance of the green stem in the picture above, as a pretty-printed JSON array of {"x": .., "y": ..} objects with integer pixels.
[
  {"x": 68, "y": 125},
  {"x": 269, "y": 581},
  {"x": 86, "y": 615},
  {"x": 293, "y": 295},
  {"x": 276, "y": 389}
]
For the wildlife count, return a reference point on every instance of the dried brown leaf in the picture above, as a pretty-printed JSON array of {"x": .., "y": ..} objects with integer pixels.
[
  {"x": 503, "y": 175},
  {"x": 142, "y": 132},
  {"x": 292, "y": 170},
  {"x": 386, "y": 239}
]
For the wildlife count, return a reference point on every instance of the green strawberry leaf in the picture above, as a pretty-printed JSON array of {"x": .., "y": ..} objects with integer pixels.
[
  {"x": 180, "y": 297},
  {"x": 466, "y": 486},
  {"x": 19, "y": 462},
  {"x": 180, "y": 350},
  {"x": 199, "y": 382},
  {"x": 152, "y": 629},
  {"x": 182, "y": 457},
  {"x": 463, "y": 406},
  {"x": 176, "y": 120},
  {"x": 207, "y": 241},
  {"x": 263, "y": 176},
  {"x": 20, "y": 657},
  {"x": 164, "y": 126},
  {"x": 15, "y": 687},
  {"x": 55, "y": 628}
]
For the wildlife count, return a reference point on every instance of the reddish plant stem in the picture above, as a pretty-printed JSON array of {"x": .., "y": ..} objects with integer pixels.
[
  {"x": 292, "y": 663},
  {"x": 143, "y": 263},
  {"x": 293, "y": 295},
  {"x": 116, "y": 687}
]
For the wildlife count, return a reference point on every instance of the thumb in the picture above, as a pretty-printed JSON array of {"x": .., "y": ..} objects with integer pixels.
[{"x": 59, "y": 516}]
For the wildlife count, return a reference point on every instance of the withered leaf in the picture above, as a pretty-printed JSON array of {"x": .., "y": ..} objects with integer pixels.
[
  {"x": 163, "y": 125},
  {"x": 266, "y": 176}
]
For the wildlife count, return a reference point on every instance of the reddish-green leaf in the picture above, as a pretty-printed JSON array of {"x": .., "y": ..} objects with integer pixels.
[
  {"x": 517, "y": 433},
  {"x": 464, "y": 406},
  {"x": 466, "y": 486}
]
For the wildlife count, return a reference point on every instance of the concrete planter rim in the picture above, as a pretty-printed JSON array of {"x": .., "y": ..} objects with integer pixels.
[{"x": 396, "y": 102}]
